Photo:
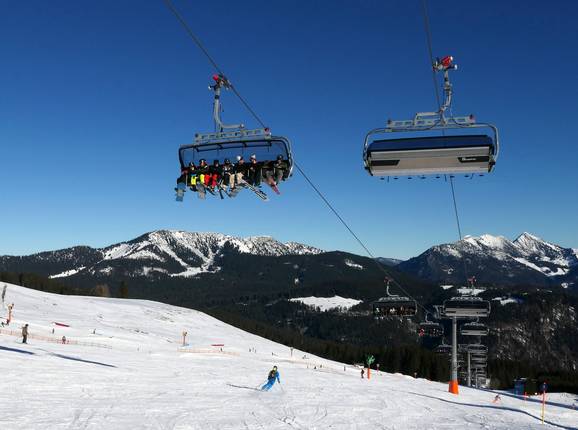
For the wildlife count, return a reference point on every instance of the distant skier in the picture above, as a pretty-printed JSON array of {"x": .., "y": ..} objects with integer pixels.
[
  {"x": 24, "y": 333},
  {"x": 273, "y": 375},
  {"x": 497, "y": 399},
  {"x": 362, "y": 372}
]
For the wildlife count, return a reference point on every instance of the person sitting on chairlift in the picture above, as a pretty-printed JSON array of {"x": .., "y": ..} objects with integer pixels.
[
  {"x": 227, "y": 175},
  {"x": 281, "y": 169},
  {"x": 240, "y": 169},
  {"x": 214, "y": 174},
  {"x": 276, "y": 171},
  {"x": 193, "y": 177},
  {"x": 202, "y": 171},
  {"x": 254, "y": 172},
  {"x": 183, "y": 178}
]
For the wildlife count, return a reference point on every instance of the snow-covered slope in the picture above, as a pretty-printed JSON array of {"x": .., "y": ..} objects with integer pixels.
[
  {"x": 124, "y": 368},
  {"x": 164, "y": 252},
  {"x": 495, "y": 259}
]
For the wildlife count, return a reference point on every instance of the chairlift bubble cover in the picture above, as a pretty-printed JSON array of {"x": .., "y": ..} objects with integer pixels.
[
  {"x": 430, "y": 155},
  {"x": 466, "y": 307}
]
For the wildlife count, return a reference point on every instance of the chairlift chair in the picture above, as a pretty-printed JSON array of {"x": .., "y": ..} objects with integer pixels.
[
  {"x": 479, "y": 366},
  {"x": 466, "y": 307},
  {"x": 474, "y": 329},
  {"x": 394, "y": 306},
  {"x": 478, "y": 348},
  {"x": 428, "y": 150},
  {"x": 478, "y": 355},
  {"x": 443, "y": 349},
  {"x": 430, "y": 329},
  {"x": 232, "y": 140}
]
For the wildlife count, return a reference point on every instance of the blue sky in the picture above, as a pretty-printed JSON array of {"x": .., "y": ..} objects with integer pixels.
[{"x": 96, "y": 97}]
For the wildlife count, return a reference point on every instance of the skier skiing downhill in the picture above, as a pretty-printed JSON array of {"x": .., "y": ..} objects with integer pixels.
[{"x": 273, "y": 375}]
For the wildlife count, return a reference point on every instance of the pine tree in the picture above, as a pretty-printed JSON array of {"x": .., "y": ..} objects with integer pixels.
[{"x": 123, "y": 293}]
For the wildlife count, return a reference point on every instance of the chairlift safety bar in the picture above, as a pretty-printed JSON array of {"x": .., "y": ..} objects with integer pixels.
[
  {"x": 436, "y": 122},
  {"x": 231, "y": 136}
]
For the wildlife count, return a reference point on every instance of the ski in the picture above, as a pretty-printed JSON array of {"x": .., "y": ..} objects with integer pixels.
[
  {"x": 256, "y": 190},
  {"x": 233, "y": 192},
  {"x": 180, "y": 192},
  {"x": 273, "y": 185},
  {"x": 201, "y": 191}
]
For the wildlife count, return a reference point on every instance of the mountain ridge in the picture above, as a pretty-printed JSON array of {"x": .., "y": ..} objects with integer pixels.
[
  {"x": 164, "y": 251},
  {"x": 496, "y": 260},
  {"x": 527, "y": 259}
]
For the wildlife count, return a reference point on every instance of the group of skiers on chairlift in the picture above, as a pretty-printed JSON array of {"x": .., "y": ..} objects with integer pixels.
[{"x": 228, "y": 176}]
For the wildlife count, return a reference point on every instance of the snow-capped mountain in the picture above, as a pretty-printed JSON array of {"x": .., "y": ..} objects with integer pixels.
[
  {"x": 497, "y": 260},
  {"x": 163, "y": 252}
]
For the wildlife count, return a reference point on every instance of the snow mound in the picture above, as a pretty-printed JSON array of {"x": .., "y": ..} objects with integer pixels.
[
  {"x": 467, "y": 291},
  {"x": 508, "y": 300},
  {"x": 353, "y": 264},
  {"x": 67, "y": 273},
  {"x": 327, "y": 303}
]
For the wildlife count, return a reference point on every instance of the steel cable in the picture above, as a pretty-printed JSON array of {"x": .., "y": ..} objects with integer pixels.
[{"x": 197, "y": 41}]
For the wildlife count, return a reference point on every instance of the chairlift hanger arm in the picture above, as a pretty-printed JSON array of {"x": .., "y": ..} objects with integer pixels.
[
  {"x": 221, "y": 82},
  {"x": 435, "y": 121}
]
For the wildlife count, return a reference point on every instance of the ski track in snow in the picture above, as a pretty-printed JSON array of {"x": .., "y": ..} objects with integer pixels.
[{"x": 147, "y": 381}]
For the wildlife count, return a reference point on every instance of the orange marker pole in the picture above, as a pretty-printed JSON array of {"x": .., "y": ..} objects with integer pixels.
[
  {"x": 543, "y": 404},
  {"x": 368, "y": 372},
  {"x": 453, "y": 388}
]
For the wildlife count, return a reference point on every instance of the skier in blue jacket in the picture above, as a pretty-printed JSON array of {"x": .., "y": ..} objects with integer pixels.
[{"x": 273, "y": 375}]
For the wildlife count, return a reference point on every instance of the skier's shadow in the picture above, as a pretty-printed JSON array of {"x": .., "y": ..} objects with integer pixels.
[
  {"x": 246, "y": 387},
  {"x": 20, "y": 351},
  {"x": 549, "y": 402},
  {"x": 68, "y": 357},
  {"x": 502, "y": 408}
]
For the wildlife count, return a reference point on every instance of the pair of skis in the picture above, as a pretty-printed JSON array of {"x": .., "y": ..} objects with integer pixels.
[{"x": 201, "y": 190}]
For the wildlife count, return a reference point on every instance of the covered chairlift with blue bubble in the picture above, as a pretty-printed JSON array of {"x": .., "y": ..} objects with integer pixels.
[
  {"x": 434, "y": 143},
  {"x": 467, "y": 306}
]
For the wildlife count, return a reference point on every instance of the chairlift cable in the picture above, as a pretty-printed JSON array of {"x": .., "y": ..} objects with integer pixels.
[
  {"x": 199, "y": 44},
  {"x": 430, "y": 52},
  {"x": 211, "y": 60},
  {"x": 192, "y": 36},
  {"x": 436, "y": 90}
]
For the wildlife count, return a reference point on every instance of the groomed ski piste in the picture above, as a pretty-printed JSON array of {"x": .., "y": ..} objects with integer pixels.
[{"x": 124, "y": 367}]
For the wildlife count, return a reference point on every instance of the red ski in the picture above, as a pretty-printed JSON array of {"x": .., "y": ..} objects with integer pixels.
[{"x": 273, "y": 185}]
